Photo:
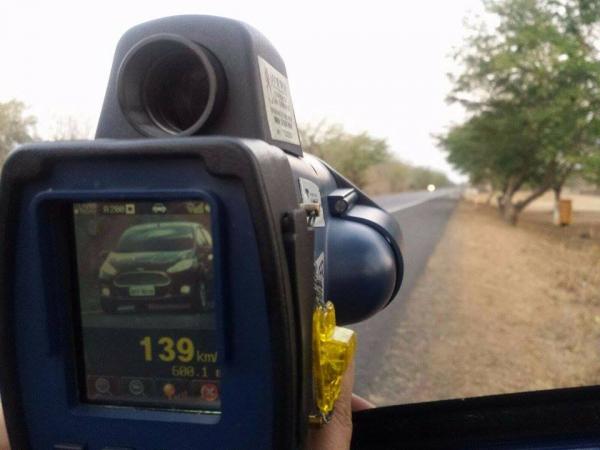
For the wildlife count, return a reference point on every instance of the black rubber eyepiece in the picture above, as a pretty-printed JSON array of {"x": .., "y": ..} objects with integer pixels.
[{"x": 169, "y": 85}]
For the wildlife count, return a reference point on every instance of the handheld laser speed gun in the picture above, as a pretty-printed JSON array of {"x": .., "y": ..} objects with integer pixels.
[{"x": 172, "y": 283}]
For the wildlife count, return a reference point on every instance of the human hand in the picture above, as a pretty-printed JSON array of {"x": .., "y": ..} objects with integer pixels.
[
  {"x": 337, "y": 434},
  {"x": 4, "y": 445}
]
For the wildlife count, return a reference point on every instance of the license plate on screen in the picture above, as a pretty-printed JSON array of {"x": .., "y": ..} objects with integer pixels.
[{"x": 141, "y": 291}]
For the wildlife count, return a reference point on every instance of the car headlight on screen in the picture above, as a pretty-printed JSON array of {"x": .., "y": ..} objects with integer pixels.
[
  {"x": 184, "y": 264},
  {"x": 107, "y": 270},
  {"x": 185, "y": 289}
]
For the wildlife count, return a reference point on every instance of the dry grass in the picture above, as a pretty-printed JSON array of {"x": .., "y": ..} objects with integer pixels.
[
  {"x": 538, "y": 216},
  {"x": 500, "y": 309},
  {"x": 581, "y": 202}
]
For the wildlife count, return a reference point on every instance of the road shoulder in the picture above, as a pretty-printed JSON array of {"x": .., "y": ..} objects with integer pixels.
[{"x": 499, "y": 309}]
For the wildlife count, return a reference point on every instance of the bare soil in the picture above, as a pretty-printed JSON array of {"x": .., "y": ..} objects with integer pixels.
[{"x": 499, "y": 309}]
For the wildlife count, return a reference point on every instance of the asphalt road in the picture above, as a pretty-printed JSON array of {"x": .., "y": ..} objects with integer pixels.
[{"x": 423, "y": 217}]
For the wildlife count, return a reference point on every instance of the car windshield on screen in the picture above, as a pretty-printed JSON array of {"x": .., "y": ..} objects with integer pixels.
[{"x": 158, "y": 237}]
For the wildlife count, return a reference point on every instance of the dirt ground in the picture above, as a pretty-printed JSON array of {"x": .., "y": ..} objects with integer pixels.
[
  {"x": 499, "y": 309},
  {"x": 585, "y": 221}
]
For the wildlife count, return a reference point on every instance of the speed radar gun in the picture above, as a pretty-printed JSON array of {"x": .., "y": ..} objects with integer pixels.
[{"x": 171, "y": 284}]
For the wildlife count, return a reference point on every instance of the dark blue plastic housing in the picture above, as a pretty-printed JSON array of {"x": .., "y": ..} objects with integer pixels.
[
  {"x": 197, "y": 109},
  {"x": 267, "y": 281},
  {"x": 40, "y": 388}
]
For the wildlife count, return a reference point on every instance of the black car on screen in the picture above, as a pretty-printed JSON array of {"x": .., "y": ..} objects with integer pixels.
[{"x": 161, "y": 265}]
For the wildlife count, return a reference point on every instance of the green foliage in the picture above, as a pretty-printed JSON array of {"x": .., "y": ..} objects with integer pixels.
[
  {"x": 392, "y": 176},
  {"x": 532, "y": 86},
  {"x": 421, "y": 177},
  {"x": 591, "y": 170},
  {"x": 396, "y": 176},
  {"x": 15, "y": 127},
  {"x": 491, "y": 147},
  {"x": 351, "y": 154},
  {"x": 366, "y": 161}
]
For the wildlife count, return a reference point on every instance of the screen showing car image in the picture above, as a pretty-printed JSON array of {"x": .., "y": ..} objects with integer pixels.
[{"x": 146, "y": 303}]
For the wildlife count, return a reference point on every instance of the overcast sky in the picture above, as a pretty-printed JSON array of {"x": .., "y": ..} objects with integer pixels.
[{"x": 378, "y": 66}]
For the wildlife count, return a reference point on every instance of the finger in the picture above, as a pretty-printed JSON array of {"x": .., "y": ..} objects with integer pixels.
[
  {"x": 343, "y": 405},
  {"x": 3, "y": 434},
  {"x": 336, "y": 435},
  {"x": 360, "y": 404}
]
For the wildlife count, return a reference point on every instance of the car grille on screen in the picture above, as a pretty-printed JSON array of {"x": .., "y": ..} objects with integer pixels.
[{"x": 142, "y": 278}]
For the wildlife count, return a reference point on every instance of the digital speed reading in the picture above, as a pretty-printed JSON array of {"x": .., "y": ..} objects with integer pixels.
[
  {"x": 184, "y": 349},
  {"x": 168, "y": 349},
  {"x": 145, "y": 273}
]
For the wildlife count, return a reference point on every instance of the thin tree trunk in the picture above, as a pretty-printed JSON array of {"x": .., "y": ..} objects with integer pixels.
[
  {"x": 512, "y": 210},
  {"x": 556, "y": 212},
  {"x": 511, "y": 213},
  {"x": 557, "y": 188},
  {"x": 500, "y": 200},
  {"x": 507, "y": 208},
  {"x": 534, "y": 196},
  {"x": 502, "y": 197}
]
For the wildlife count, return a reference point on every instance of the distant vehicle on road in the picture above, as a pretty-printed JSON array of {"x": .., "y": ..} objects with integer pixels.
[{"x": 159, "y": 264}]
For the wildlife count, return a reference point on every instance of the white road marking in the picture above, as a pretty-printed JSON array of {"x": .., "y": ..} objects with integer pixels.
[{"x": 417, "y": 202}]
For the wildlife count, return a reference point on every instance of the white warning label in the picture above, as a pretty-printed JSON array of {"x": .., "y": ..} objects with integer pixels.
[{"x": 278, "y": 103}]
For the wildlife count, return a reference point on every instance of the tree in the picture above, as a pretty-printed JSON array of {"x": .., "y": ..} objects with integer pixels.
[
  {"x": 69, "y": 128},
  {"x": 366, "y": 161},
  {"x": 390, "y": 176},
  {"x": 397, "y": 176},
  {"x": 351, "y": 154},
  {"x": 16, "y": 127},
  {"x": 532, "y": 88},
  {"x": 421, "y": 177},
  {"x": 591, "y": 171}
]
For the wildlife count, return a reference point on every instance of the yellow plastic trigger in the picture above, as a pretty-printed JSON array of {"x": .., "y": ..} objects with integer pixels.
[{"x": 333, "y": 350}]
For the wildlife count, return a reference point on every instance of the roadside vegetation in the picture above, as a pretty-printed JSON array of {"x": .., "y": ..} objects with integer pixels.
[
  {"x": 367, "y": 161},
  {"x": 18, "y": 127},
  {"x": 498, "y": 310},
  {"x": 531, "y": 87}
]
